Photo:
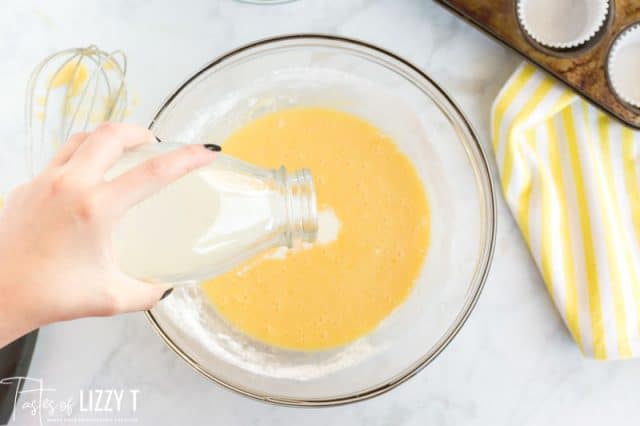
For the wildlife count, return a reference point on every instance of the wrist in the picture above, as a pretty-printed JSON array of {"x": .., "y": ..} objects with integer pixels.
[{"x": 16, "y": 308}]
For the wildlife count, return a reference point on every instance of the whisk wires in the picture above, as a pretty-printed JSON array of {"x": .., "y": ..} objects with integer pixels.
[{"x": 68, "y": 92}]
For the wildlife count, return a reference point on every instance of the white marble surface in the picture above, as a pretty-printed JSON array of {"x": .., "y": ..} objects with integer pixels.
[{"x": 513, "y": 362}]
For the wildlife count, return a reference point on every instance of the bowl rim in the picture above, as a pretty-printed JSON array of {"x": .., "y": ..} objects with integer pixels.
[{"x": 486, "y": 255}]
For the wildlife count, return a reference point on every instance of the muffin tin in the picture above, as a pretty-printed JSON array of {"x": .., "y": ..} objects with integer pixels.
[{"x": 599, "y": 63}]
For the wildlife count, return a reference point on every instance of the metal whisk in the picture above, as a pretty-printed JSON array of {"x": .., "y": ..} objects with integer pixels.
[{"x": 70, "y": 91}]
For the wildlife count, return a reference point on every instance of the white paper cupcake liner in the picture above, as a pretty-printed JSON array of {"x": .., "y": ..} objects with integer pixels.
[
  {"x": 562, "y": 24},
  {"x": 623, "y": 66}
]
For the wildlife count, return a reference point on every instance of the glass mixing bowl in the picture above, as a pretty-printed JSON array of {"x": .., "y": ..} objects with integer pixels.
[{"x": 349, "y": 75}]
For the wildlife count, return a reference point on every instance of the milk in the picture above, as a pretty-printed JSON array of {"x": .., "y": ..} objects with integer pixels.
[{"x": 211, "y": 219}]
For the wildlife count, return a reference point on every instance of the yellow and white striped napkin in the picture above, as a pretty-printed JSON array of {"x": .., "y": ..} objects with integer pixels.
[{"x": 571, "y": 176}]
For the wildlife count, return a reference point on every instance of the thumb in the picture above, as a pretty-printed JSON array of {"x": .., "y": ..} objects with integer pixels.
[{"x": 141, "y": 295}]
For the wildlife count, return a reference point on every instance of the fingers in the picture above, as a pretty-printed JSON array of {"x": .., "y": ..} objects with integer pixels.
[
  {"x": 132, "y": 295},
  {"x": 154, "y": 174},
  {"x": 102, "y": 148},
  {"x": 67, "y": 150}
]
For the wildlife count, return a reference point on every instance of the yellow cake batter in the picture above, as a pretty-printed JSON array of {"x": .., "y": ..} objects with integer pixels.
[{"x": 330, "y": 294}]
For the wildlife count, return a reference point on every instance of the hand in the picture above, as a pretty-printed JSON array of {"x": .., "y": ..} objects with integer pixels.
[{"x": 55, "y": 231}]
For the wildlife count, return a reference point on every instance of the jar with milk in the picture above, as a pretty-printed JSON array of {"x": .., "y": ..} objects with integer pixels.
[{"x": 211, "y": 219}]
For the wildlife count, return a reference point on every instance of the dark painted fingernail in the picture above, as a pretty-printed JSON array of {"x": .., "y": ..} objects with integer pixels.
[
  {"x": 213, "y": 147},
  {"x": 166, "y": 293},
  {"x": 158, "y": 139}
]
